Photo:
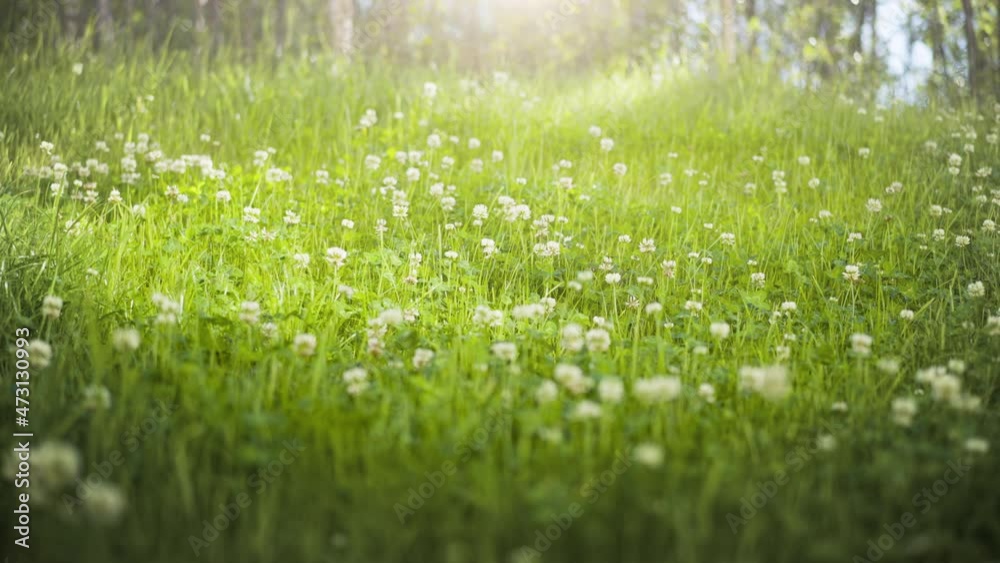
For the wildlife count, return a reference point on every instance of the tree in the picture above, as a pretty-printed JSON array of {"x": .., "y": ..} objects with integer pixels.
[
  {"x": 342, "y": 25},
  {"x": 971, "y": 46},
  {"x": 105, "y": 23}
]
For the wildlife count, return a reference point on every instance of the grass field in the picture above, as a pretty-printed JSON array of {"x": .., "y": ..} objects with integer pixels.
[{"x": 739, "y": 322}]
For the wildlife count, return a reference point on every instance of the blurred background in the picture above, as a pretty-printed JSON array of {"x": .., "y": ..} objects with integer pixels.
[{"x": 920, "y": 47}]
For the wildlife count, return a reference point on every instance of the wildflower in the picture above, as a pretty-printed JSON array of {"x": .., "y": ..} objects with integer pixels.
[
  {"x": 356, "y": 380},
  {"x": 54, "y": 465},
  {"x": 906, "y": 315},
  {"x": 573, "y": 338},
  {"x": 874, "y": 205},
  {"x": 250, "y": 312},
  {"x": 961, "y": 241},
  {"x": 485, "y": 316},
  {"x": 619, "y": 169},
  {"x": 826, "y": 442},
  {"x": 903, "y": 410},
  {"x": 861, "y": 344},
  {"x": 96, "y": 397},
  {"x": 976, "y": 289},
  {"x": 707, "y": 392},
  {"x": 546, "y": 392},
  {"x": 125, "y": 339},
  {"x": 977, "y": 445},
  {"x": 506, "y": 351},
  {"x": 650, "y": 455},
  {"x": 771, "y": 382},
  {"x": 657, "y": 389},
  {"x": 586, "y": 410},
  {"x": 572, "y": 378},
  {"x": 607, "y": 144},
  {"x": 852, "y": 273},
  {"x": 422, "y": 357},
  {"x": 304, "y": 344},
  {"x": 598, "y": 340},
  {"x": 611, "y": 390},
  {"x": 104, "y": 504},
  {"x": 719, "y": 330},
  {"x": 52, "y": 307},
  {"x": 336, "y": 256}
]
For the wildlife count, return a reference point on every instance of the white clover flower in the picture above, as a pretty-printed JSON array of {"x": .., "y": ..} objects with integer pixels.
[
  {"x": 650, "y": 455},
  {"x": 54, "y": 465},
  {"x": 104, "y": 504},
  {"x": 52, "y": 307},
  {"x": 906, "y": 315},
  {"x": 39, "y": 353},
  {"x": 304, "y": 344},
  {"x": 586, "y": 410},
  {"x": 607, "y": 144},
  {"x": 874, "y": 205},
  {"x": 654, "y": 308},
  {"x": 864, "y": 152},
  {"x": 620, "y": 168},
  {"x": 861, "y": 344},
  {"x": 707, "y": 392},
  {"x": 611, "y": 390},
  {"x": 903, "y": 410},
  {"x": 573, "y": 338},
  {"x": 852, "y": 273},
  {"x": 547, "y": 392},
  {"x": 96, "y": 397},
  {"x": 977, "y": 445},
  {"x": 598, "y": 340},
  {"x": 336, "y": 256},
  {"x": 572, "y": 378},
  {"x": 719, "y": 330},
  {"x": 422, "y": 357},
  {"x": 961, "y": 241},
  {"x": 125, "y": 339},
  {"x": 506, "y": 351},
  {"x": 250, "y": 312},
  {"x": 826, "y": 442},
  {"x": 613, "y": 278},
  {"x": 657, "y": 389},
  {"x": 758, "y": 279},
  {"x": 356, "y": 380},
  {"x": 594, "y": 131},
  {"x": 771, "y": 382},
  {"x": 976, "y": 289}
]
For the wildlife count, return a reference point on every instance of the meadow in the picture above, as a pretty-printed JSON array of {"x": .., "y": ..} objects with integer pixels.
[{"x": 323, "y": 311}]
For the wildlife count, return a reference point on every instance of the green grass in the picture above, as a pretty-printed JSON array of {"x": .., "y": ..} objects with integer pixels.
[{"x": 235, "y": 399}]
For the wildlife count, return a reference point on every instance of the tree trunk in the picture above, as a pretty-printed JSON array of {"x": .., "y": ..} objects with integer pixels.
[
  {"x": 105, "y": 23},
  {"x": 873, "y": 37},
  {"x": 936, "y": 30},
  {"x": 342, "y": 26},
  {"x": 215, "y": 25},
  {"x": 728, "y": 13},
  {"x": 280, "y": 27},
  {"x": 751, "y": 14},
  {"x": 971, "y": 46},
  {"x": 856, "y": 43}
]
